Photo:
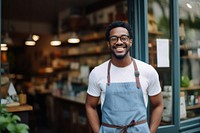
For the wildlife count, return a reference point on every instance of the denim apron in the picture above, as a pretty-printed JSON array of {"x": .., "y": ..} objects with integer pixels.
[{"x": 124, "y": 110}]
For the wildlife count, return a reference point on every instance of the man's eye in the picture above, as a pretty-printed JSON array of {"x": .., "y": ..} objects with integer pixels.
[
  {"x": 113, "y": 39},
  {"x": 123, "y": 38}
]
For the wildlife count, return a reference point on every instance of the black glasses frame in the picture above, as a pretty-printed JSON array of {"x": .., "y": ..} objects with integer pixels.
[{"x": 123, "y": 38}]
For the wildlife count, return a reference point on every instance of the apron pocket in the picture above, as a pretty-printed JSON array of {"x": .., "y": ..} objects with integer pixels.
[{"x": 124, "y": 101}]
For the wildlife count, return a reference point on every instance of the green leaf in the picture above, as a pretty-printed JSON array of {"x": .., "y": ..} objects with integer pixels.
[
  {"x": 16, "y": 118},
  {"x": 10, "y": 123},
  {"x": 9, "y": 119},
  {"x": 2, "y": 120},
  {"x": 22, "y": 126},
  {"x": 11, "y": 127},
  {"x": 24, "y": 131}
]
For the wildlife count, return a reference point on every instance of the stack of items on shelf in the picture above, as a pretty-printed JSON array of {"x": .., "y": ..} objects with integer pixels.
[{"x": 167, "y": 96}]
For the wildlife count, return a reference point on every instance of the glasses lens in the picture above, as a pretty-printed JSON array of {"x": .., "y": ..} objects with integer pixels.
[
  {"x": 123, "y": 38},
  {"x": 113, "y": 39}
]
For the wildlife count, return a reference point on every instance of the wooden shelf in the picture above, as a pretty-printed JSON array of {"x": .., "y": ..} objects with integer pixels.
[
  {"x": 190, "y": 88},
  {"x": 86, "y": 54},
  {"x": 193, "y": 107},
  {"x": 191, "y": 57},
  {"x": 187, "y": 47},
  {"x": 93, "y": 38}
]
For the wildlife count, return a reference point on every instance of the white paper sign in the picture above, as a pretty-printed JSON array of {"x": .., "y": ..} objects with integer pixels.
[
  {"x": 11, "y": 90},
  {"x": 162, "y": 52}
]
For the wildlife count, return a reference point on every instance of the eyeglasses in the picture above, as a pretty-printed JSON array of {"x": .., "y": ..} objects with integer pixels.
[{"x": 123, "y": 38}]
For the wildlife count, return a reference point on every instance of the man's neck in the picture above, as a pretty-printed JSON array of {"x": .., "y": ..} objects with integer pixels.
[{"x": 121, "y": 62}]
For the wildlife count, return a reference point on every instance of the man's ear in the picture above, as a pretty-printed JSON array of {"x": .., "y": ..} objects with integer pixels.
[
  {"x": 131, "y": 41},
  {"x": 108, "y": 44}
]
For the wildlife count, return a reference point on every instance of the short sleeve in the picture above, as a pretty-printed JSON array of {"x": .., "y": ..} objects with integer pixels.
[
  {"x": 93, "y": 88},
  {"x": 154, "y": 85}
]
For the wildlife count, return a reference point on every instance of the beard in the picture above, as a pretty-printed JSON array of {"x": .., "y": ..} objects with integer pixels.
[{"x": 120, "y": 57}]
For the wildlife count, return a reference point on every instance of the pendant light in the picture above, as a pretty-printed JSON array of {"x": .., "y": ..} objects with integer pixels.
[
  {"x": 3, "y": 45},
  {"x": 7, "y": 39},
  {"x": 74, "y": 24},
  {"x": 35, "y": 37},
  {"x": 56, "y": 41},
  {"x": 4, "y": 48},
  {"x": 29, "y": 41},
  {"x": 73, "y": 38}
]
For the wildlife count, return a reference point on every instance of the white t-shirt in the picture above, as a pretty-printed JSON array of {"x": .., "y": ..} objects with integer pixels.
[{"x": 149, "y": 79}]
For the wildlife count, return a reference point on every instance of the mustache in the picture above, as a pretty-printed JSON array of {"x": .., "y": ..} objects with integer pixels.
[{"x": 119, "y": 45}]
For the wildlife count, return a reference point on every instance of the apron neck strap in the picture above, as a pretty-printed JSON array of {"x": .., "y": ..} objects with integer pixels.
[
  {"x": 108, "y": 75},
  {"x": 136, "y": 73}
]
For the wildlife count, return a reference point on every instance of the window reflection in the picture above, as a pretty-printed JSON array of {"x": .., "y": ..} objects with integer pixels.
[
  {"x": 189, "y": 30},
  {"x": 159, "y": 28}
]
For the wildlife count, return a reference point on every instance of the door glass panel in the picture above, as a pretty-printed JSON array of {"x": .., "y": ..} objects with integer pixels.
[
  {"x": 160, "y": 49},
  {"x": 189, "y": 31}
]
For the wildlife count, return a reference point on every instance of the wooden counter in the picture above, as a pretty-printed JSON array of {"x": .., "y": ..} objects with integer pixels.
[
  {"x": 19, "y": 108},
  {"x": 22, "y": 111},
  {"x": 77, "y": 100},
  {"x": 70, "y": 115}
]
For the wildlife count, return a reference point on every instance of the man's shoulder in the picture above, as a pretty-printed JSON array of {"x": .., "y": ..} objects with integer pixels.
[
  {"x": 142, "y": 63},
  {"x": 145, "y": 67},
  {"x": 102, "y": 65}
]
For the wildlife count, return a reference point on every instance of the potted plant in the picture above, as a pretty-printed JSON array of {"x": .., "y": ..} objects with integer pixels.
[{"x": 11, "y": 123}]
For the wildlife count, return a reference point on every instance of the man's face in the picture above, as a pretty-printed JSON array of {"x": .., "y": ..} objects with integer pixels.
[{"x": 119, "y": 42}]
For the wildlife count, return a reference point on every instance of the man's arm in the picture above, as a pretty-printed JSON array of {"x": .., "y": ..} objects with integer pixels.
[
  {"x": 91, "y": 111},
  {"x": 157, "y": 103}
]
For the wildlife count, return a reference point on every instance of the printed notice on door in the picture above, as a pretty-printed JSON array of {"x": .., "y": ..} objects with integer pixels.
[{"x": 162, "y": 52}]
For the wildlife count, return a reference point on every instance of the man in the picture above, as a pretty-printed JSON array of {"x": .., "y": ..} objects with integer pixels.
[{"x": 123, "y": 84}]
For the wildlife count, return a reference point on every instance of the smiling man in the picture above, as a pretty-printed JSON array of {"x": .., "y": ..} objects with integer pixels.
[{"x": 123, "y": 84}]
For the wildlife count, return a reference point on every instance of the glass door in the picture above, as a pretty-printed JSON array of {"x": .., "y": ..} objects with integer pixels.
[
  {"x": 159, "y": 47},
  {"x": 157, "y": 42}
]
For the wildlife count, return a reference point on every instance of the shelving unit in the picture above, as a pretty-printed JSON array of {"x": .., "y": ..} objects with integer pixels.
[
  {"x": 193, "y": 107},
  {"x": 70, "y": 118},
  {"x": 91, "y": 51},
  {"x": 190, "y": 55},
  {"x": 192, "y": 88},
  {"x": 152, "y": 47},
  {"x": 86, "y": 54}
]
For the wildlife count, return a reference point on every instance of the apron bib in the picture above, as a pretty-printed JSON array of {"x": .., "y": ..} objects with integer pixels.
[{"x": 124, "y": 109}]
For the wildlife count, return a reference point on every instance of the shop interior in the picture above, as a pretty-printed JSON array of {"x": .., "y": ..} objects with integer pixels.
[{"x": 48, "y": 48}]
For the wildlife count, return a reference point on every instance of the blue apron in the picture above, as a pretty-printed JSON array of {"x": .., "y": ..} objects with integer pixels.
[{"x": 124, "y": 110}]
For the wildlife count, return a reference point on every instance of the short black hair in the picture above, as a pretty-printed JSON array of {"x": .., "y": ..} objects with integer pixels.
[{"x": 118, "y": 24}]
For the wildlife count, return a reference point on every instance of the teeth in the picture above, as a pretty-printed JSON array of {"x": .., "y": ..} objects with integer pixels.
[{"x": 120, "y": 49}]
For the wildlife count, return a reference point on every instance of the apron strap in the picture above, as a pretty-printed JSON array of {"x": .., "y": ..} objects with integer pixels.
[
  {"x": 136, "y": 73},
  {"x": 108, "y": 75},
  {"x": 124, "y": 128}
]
